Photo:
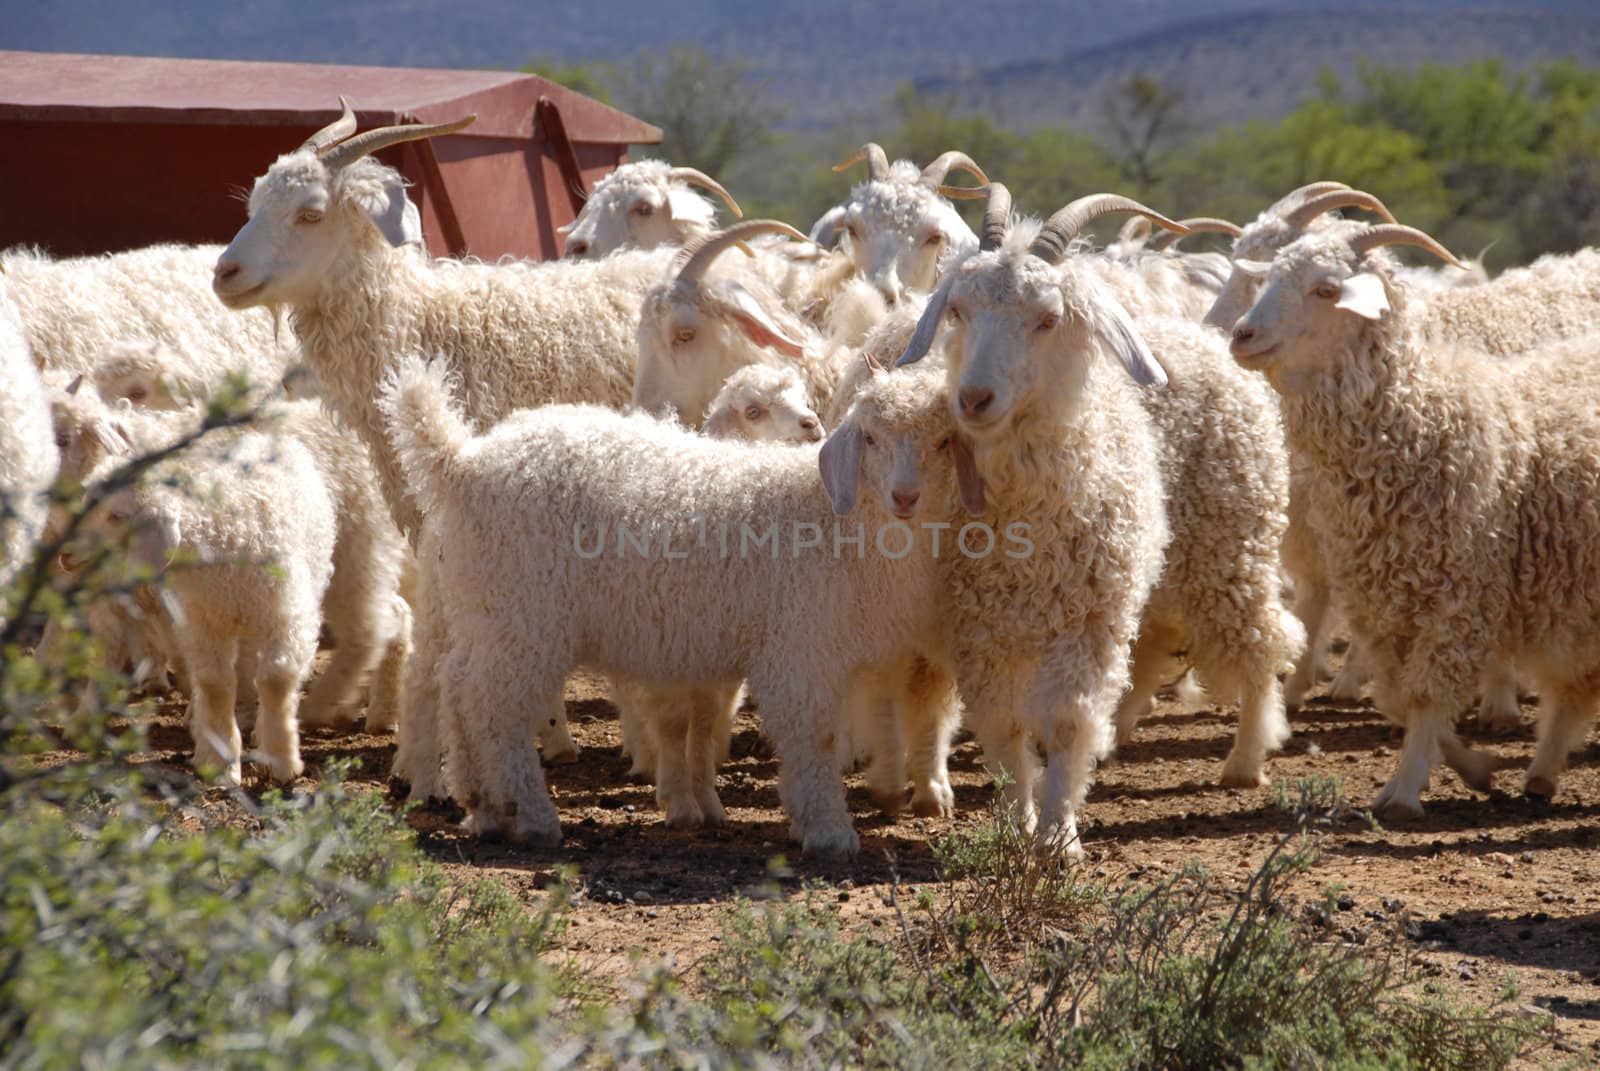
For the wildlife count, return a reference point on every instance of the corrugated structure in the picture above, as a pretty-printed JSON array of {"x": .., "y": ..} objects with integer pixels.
[{"x": 104, "y": 153}]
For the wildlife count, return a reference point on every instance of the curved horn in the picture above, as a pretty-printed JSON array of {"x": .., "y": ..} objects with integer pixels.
[
  {"x": 1196, "y": 225},
  {"x": 1060, "y": 229},
  {"x": 996, "y": 218},
  {"x": 933, "y": 175},
  {"x": 1399, "y": 234},
  {"x": 873, "y": 154},
  {"x": 334, "y": 132},
  {"x": 696, "y": 259},
  {"x": 695, "y": 176},
  {"x": 1313, "y": 189},
  {"x": 349, "y": 151},
  {"x": 1332, "y": 199}
]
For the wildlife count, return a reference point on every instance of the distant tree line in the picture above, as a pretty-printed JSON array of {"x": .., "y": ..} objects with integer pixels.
[{"x": 1480, "y": 156}]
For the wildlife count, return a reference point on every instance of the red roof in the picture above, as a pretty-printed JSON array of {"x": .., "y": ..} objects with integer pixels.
[
  {"x": 501, "y": 187},
  {"x": 76, "y": 87}
]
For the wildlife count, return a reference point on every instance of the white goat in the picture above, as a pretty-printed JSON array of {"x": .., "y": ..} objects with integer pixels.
[
  {"x": 73, "y": 310},
  {"x": 325, "y": 225},
  {"x": 642, "y": 205},
  {"x": 897, "y": 228},
  {"x": 1061, "y": 447},
  {"x": 1023, "y": 321},
  {"x": 1455, "y": 497},
  {"x": 760, "y": 403},
  {"x": 795, "y": 628},
  {"x": 370, "y": 621},
  {"x": 253, "y": 509}
]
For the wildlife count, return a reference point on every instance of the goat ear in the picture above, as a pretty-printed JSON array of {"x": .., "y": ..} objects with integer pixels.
[
  {"x": 825, "y": 231},
  {"x": 1255, "y": 269},
  {"x": 110, "y": 436},
  {"x": 1364, "y": 295},
  {"x": 840, "y": 462},
  {"x": 395, "y": 216},
  {"x": 686, "y": 205},
  {"x": 1117, "y": 331},
  {"x": 968, "y": 480},
  {"x": 758, "y": 326}
]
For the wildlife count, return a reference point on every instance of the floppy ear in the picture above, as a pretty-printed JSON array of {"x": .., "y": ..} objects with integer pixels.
[
  {"x": 825, "y": 231},
  {"x": 685, "y": 204},
  {"x": 1364, "y": 295},
  {"x": 396, "y": 217},
  {"x": 968, "y": 480},
  {"x": 758, "y": 326},
  {"x": 840, "y": 462},
  {"x": 927, "y": 325},
  {"x": 1117, "y": 331}
]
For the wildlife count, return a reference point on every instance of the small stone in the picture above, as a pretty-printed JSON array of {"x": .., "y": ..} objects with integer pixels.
[
  {"x": 1345, "y": 902},
  {"x": 1526, "y": 857},
  {"x": 642, "y": 897},
  {"x": 1524, "y": 935},
  {"x": 652, "y": 913},
  {"x": 628, "y": 808}
]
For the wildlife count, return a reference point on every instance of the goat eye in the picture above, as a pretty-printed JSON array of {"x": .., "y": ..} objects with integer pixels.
[
  {"x": 1048, "y": 323},
  {"x": 643, "y": 208},
  {"x": 933, "y": 239},
  {"x": 753, "y": 412},
  {"x": 869, "y": 438},
  {"x": 954, "y": 314},
  {"x": 137, "y": 394},
  {"x": 685, "y": 334},
  {"x": 116, "y": 517},
  {"x": 308, "y": 215},
  {"x": 1327, "y": 290},
  {"x": 63, "y": 441},
  {"x": 853, "y": 231},
  {"x": 944, "y": 443}
]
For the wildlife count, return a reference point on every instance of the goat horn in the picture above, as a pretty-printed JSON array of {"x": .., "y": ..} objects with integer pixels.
[
  {"x": 334, "y": 132},
  {"x": 349, "y": 151},
  {"x": 1332, "y": 199},
  {"x": 1136, "y": 229},
  {"x": 933, "y": 175},
  {"x": 72, "y": 388},
  {"x": 697, "y": 177},
  {"x": 1197, "y": 225},
  {"x": 1060, "y": 229},
  {"x": 1310, "y": 189},
  {"x": 1399, "y": 234},
  {"x": 698, "y": 257},
  {"x": 873, "y": 154},
  {"x": 996, "y": 218}
]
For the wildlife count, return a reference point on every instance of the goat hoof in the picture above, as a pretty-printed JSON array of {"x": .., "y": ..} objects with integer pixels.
[
  {"x": 1243, "y": 775},
  {"x": 1542, "y": 787},
  {"x": 890, "y": 803},
  {"x": 837, "y": 846}
]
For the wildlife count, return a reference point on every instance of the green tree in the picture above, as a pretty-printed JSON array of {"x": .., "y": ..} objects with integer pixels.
[
  {"x": 1146, "y": 117},
  {"x": 590, "y": 79},
  {"x": 711, "y": 111}
]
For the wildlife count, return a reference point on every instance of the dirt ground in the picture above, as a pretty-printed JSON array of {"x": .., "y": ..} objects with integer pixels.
[{"x": 1486, "y": 890}]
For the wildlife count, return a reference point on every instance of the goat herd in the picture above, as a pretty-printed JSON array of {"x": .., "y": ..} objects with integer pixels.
[{"x": 888, "y": 478}]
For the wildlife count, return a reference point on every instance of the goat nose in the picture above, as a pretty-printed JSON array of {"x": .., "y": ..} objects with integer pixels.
[
  {"x": 808, "y": 422},
  {"x": 974, "y": 400},
  {"x": 905, "y": 499},
  {"x": 1243, "y": 333},
  {"x": 226, "y": 269}
]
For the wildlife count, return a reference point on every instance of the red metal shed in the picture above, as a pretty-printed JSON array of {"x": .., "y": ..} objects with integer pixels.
[{"x": 113, "y": 152}]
